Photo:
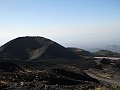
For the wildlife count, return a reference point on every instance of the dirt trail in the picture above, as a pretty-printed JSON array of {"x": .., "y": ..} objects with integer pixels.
[
  {"x": 102, "y": 79},
  {"x": 113, "y": 58}
]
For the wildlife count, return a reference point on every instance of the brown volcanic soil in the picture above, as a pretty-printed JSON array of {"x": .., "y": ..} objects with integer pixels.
[{"x": 28, "y": 48}]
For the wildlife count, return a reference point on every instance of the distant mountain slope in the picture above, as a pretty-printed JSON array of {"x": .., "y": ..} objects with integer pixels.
[
  {"x": 106, "y": 53},
  {"x": 114, "y": 48},
  {"x": 79, "y": 51},
  {"x": 28, "y": 48}
]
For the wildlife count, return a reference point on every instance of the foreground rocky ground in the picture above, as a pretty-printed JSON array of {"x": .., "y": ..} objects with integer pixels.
[
  {"x": 59, "y": 77},
  {"x": 55, "y": 78},
  {"x": 60, "y": 74}
]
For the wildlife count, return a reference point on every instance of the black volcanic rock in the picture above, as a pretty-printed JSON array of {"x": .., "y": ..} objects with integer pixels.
[
  {"x": 82, "y": 76},
  {"x": 28, "y": 48},
  {"x": 105, "y": 61},
  {"x": 117, "y": 64},
  {"x": 66, "y": 75},
  {"x": 10, "y": 67}
]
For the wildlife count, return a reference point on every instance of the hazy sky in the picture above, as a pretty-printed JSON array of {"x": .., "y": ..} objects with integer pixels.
[{"x": 81, "y": 23}]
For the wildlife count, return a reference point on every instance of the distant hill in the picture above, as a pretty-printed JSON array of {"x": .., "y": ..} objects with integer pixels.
[
  {"x": 29, "y": 48},
  {"x": 94, "y": 49},
  {"x": 106, "y": 53},
  {"x": 80, "y": 52},
  {"x": 114, "y": 48}
]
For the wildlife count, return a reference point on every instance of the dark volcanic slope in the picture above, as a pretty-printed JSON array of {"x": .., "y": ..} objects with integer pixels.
[
  {"x": 27, "y": 48},
  {"x": 79, "y": 51}
]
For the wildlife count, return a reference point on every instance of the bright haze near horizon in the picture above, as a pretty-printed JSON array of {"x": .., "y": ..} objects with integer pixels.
[{"x": 76, "y": 23}]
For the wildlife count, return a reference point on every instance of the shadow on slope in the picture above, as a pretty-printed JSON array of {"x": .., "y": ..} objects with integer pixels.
[
  {"x": 80, "y": 52},
  {"x": 9, "y": 67}
]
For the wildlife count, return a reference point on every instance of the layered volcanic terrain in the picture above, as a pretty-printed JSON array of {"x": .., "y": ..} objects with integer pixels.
[
  {"x": 38, "y": 63},
  {"x": 29, "y": 48}
]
